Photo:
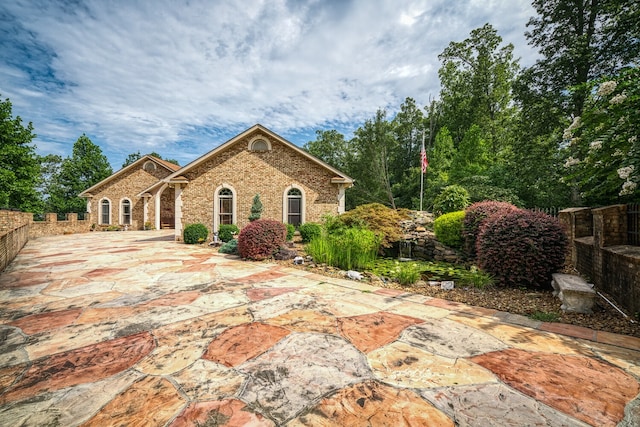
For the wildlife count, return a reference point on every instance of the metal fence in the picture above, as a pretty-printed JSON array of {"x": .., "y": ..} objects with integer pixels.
[
  {"x": 633, "y": 224},
  {"x": 553, "y": 211}
]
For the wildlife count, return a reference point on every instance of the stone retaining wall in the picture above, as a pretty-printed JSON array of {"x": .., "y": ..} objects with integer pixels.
[{"x": 419, "y": 238}]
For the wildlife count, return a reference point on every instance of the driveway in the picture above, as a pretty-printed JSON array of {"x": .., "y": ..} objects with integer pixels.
[{"x": 133, "y": 329}]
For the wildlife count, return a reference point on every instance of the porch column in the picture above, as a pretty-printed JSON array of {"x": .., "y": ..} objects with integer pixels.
[
  {"x": 341, "y": 199},
  {"x": 178, "y": 215},
  {"x": 157, "y": 207}
]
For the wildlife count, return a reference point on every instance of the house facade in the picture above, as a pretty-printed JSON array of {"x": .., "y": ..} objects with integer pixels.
[
  {"x": 219, "y": 187},
  {"x": 116, "y": 200}
]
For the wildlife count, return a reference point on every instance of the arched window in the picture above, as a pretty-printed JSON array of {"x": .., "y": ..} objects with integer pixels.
[
  {"x": 259, "y": 143},
  {"x": 294, "y": 207},
  {"x": 149, "y": 166},
  {"x": 125, "y": 212},
  {"x": 225, "y": 206},
  {"x": 105, "y": 212}
]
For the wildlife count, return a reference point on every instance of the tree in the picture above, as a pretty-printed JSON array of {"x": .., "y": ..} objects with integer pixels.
[
  {"x": 603, "y": 145},
  {"x": 49, "y": 169},
  {"x": 580, "y": 41},
  {"x": 256, "y": 208},
  {"x": 19, "y": 167},
  {"x": 472, "y": 156},
  {"x": 373, "y": 146},
  {"x": 86, "y": 167},
  {"x": 133, "y": 157},
  {"x": 330, "y": 147},
  {"x": 476, "y": 78}
]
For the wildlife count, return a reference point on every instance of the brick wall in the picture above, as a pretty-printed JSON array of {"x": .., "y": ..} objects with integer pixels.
[
  {"x": 14, "y": 234},
  {"x": 127, "y": 185},
  {"x": 604, "y": 257},
  {"x": 266, "y": 173},
  {"x": 52, "y": 227}
]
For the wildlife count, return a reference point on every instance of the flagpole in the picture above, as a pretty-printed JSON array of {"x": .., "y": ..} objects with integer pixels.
[{"x": 421, "y": 172}]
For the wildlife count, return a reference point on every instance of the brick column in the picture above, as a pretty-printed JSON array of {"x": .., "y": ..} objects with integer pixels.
[
  {"x": 578, "y": 223},
  {"x": 609, "y": 229}
]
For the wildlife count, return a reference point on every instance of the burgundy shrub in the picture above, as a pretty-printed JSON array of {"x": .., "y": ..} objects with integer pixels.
[
  {"x": 261, "y": 239},
  {"x": 474, "y": 215}
]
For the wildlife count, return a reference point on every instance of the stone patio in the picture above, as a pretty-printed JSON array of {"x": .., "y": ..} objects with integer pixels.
[{"x": 132, "y": 328}]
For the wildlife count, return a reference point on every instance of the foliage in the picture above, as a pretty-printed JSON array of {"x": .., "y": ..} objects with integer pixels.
[
  {"x": 604, "y": 143},
  {"x": 437, "y": 271},
  {"x": 86, "y": 167},
  {"x": 448, "y": 228},
  {"x": 579, "y": 42},
  {"x": 379, "y": 219},
  {"x": 352, "y": 249},
  {"x": 544, "y": 316},
  {"x": 330, "y": 147},
  {"x": 521, "y": 248},
  {"x": 476, "y": 78},
  {"x": 452, "y": 198},
  {"x": 230, "y": 247},
  {"x": 256, "y": 208},
  {"x": 475, "y": 216},
  {"x": 291, "y": 230},
  {"x": 195, "y": 233},
  {"x": 148, "y": 226},
  {"x": 472, "y": 156},
  {"x": 133, "y": 157},
  {"x": 370, "y": 165},
  {"x": 19, "y": 167},
  {"x": 226, "y": 232},
  {"x": 309, "y": 231},
  {"x": 407, "y": 273},
  {"x": 261, "y": 239},
  {"x": 480, "y": 189}
]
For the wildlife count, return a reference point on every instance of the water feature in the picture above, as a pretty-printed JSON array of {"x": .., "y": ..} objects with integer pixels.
[{"x": 404, "y": 250}]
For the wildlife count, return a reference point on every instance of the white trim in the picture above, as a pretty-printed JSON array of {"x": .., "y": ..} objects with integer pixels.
[
  {"x": 121, "y": 211},
  {"x": 216, "y": 205},
  {"x": 256, "y": 139},
  {"x": 100, "y": 211},
  {"x": 178, "y": 212},
  {"x": 285, "y": 204},
  {"x": 158, "y": 207}
]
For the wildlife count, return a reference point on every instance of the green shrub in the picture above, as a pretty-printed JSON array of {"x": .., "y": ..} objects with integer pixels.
[
  {"x": 522, "y": 248},
  {"x": 448, "y": 228},
  {"x": 231, "y": 247},
  {"x": 407, "y": 273},
  {"x": 452, "y": 198},
  {"x": 195, "y": 233},
  {"x": 353, "y": 249},
  {"x": 256, "y": 208},
  {"x": 261, "y": 239},
  {"x": 473, "y": 219},
  {"x": 291, "y": 229},
  {"x": 309, "y": 231},
  {"x": 379, "y": 219},
  {"x": 227, "y": 231}
]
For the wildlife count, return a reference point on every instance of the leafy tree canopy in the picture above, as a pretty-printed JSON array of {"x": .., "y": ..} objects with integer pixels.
[
  {"x": 19, "y": 166},
  {"x": 133, "y": 157}
]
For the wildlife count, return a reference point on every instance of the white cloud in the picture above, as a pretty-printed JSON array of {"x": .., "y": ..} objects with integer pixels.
[{"x": 179, "y": 78}]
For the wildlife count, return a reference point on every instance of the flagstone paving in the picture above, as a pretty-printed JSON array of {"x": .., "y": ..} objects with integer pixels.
[{"x": 132, "y": 328}]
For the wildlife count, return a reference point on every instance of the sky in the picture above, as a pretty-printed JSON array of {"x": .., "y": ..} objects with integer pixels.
[{"x": 181, "y": 77}]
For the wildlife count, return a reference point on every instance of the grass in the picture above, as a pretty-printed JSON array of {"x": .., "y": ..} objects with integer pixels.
[
  {"x": 353, "y": 249},
  {"x": 545, "y": 316},
  {"x": 438, "y": 271}
]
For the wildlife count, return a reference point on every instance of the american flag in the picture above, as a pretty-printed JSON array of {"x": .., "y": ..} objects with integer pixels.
[{"x": 424, "y": 162}]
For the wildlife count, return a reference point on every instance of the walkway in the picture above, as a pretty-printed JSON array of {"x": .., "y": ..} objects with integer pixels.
[{"x": 131, "y": 328}]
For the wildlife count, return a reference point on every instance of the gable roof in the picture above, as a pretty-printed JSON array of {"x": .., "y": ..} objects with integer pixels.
[
  {"x": 163, "y": 163},
  {"x": 339, "y": 176}
]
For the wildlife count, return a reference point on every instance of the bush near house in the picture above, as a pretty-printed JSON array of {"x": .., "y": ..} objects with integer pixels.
[
  {"x": 309, "y": 231},
  {"x": 349, "y": 249},
  {"x": 474, "y": 216},
  {"x": 261, "y": 239},
  {"x": 522, "y": 248},
  {"x": 291, "y": 230},
  {"x": 195, "y": 233},
  {"x": 227, "y": 231},
  {"x": 448, "y": 228},
  {"x": 231, "y": 247}
]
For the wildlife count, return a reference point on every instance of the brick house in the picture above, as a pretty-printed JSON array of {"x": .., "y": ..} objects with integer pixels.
[{"x": 219, "y": 187}]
